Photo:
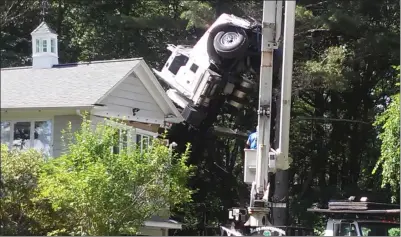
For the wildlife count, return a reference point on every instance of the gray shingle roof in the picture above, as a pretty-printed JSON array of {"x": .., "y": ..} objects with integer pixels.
[
  {"x": 69, "y": 85},
  {"x": 43, "y": 28}
]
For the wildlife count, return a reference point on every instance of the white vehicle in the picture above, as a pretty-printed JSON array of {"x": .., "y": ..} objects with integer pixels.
[
  {"x": 213, "y": 68},
  {"x": 349, "y": 218}
]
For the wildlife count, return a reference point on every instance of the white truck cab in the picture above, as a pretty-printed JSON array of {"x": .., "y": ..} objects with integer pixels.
[
  {"x": 213, "y": 68},
  {"x": 349, "y": 218},
  {"x": 352, "y": 227}
]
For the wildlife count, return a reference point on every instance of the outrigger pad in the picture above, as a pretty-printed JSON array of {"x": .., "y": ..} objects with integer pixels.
[{"x": 193, "y": 116}]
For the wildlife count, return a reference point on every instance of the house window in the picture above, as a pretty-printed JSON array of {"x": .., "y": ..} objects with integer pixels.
[
  {"x": 44, "y": 46},
  {"x": 52, "y": 45},
  {"x": 37, "y": 46},
  {"x": 128, "y": 137},
  {"x": 42, "y": 136},
  {"x": 123, "y": 136},
  {"x": 143, "y": 141},
  {"x": 23, "y": 135},
  {"x": 5, "y": 133}
]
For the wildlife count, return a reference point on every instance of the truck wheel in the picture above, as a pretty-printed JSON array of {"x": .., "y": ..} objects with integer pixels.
[{"x": 230, "y": 42}]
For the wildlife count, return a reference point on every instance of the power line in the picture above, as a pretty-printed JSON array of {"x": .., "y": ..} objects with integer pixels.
[{"x": 331, "y": 119}]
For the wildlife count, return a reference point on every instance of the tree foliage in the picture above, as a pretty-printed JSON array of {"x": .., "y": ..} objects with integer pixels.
[
  {"x": 108, "y": 193},
  {"x": 389, "y": 161},
  {"x": 22, "y": 212},
  {"x": 90, "y": 190}
]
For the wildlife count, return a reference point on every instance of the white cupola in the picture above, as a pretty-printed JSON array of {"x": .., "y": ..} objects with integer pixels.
[{"x": 44, "y": 47}]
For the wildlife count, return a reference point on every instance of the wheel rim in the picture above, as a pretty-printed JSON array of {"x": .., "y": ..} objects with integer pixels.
[{"x": 229, "y": 39}]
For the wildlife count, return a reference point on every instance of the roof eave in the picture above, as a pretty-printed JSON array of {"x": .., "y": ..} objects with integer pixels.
[
  {"x": 41, "y": 25},
  {"x": 163, "y": 224},
  {"x": 81, "y": 107}
]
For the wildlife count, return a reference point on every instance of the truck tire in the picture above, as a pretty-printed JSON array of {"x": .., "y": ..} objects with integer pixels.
[{"x": 230, "y": 42}]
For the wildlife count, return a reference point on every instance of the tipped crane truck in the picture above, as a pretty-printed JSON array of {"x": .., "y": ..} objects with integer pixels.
[
  {"x": 213, "y": 69},
  {"x": 202, "y": 76}
]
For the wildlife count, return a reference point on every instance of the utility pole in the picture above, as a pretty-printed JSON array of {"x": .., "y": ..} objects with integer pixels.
[{"x": 280, "y": 196}]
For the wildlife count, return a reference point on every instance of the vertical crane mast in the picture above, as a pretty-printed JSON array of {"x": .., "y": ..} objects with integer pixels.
[
  {"x": 268, "y": 160},
  {"x": 286, "y": 84},
  {"x": 269, "y": 43},
  {"x": 271, "y": 27},
  {"x": 281, "y": 188}
]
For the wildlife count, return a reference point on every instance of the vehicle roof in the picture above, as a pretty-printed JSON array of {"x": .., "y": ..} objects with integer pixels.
[
  {"x": 328, "y": 211},
  {"x": 380, "y": 221}
]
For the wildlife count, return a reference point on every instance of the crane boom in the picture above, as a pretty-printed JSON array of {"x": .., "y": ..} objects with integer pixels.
[
  {"x": 269, "y": 43},
  {"x": 286, "y": 84},
  {"x": 268, "y": 160}
]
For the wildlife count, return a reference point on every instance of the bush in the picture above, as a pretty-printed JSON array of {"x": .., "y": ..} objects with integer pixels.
[
  {"x": 112, "y": 194},
  {"x": 394, "y": 232},
  {"x": 21, "y": 211},
  {"x": 90, "y": 190}
]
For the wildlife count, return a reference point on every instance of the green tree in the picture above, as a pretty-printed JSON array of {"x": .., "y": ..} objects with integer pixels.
[
  {"x": 389, "y": 162},
  {"x": 22, "y": 212},
  {"x": 109, "y": 193},
  {"x": 394, "y": 232}
]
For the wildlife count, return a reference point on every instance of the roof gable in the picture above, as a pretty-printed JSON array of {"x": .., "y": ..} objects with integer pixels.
[
  {"x": 78, "y": 85},
  {"x": 154, "y": 87},
  {"x": 43, "y": 28},
  {"x": 70, "y": 85}
]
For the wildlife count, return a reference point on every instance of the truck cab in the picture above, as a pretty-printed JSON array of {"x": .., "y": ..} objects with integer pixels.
[
  {"x": 215, "y": 67},
  {"x": 349, "y": 218},
  {"x": 352, "y": 227}
]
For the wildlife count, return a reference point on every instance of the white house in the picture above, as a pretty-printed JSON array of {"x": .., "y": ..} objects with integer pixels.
[{"x": 37, "y": 102}]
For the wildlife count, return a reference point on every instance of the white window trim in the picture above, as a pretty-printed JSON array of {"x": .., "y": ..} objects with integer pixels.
[
  {"x": 134, "y": 133},
  {"x": 120, "y": 127},
  {"x": 147, "y": 133},
  {"x": 32, "y": 132},
  {"x": 140, "y": 141},
  {"x": 37, "y": 45},
  {"x": 40, "y": 41},
  {"x": 47, "y": 45},
  {"x": 52, "y": 45}
]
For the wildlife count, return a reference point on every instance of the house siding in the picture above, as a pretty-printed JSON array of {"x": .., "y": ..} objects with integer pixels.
[
  {"x": 131, "y": 93},
  {"x": 60, "y": 124}
]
